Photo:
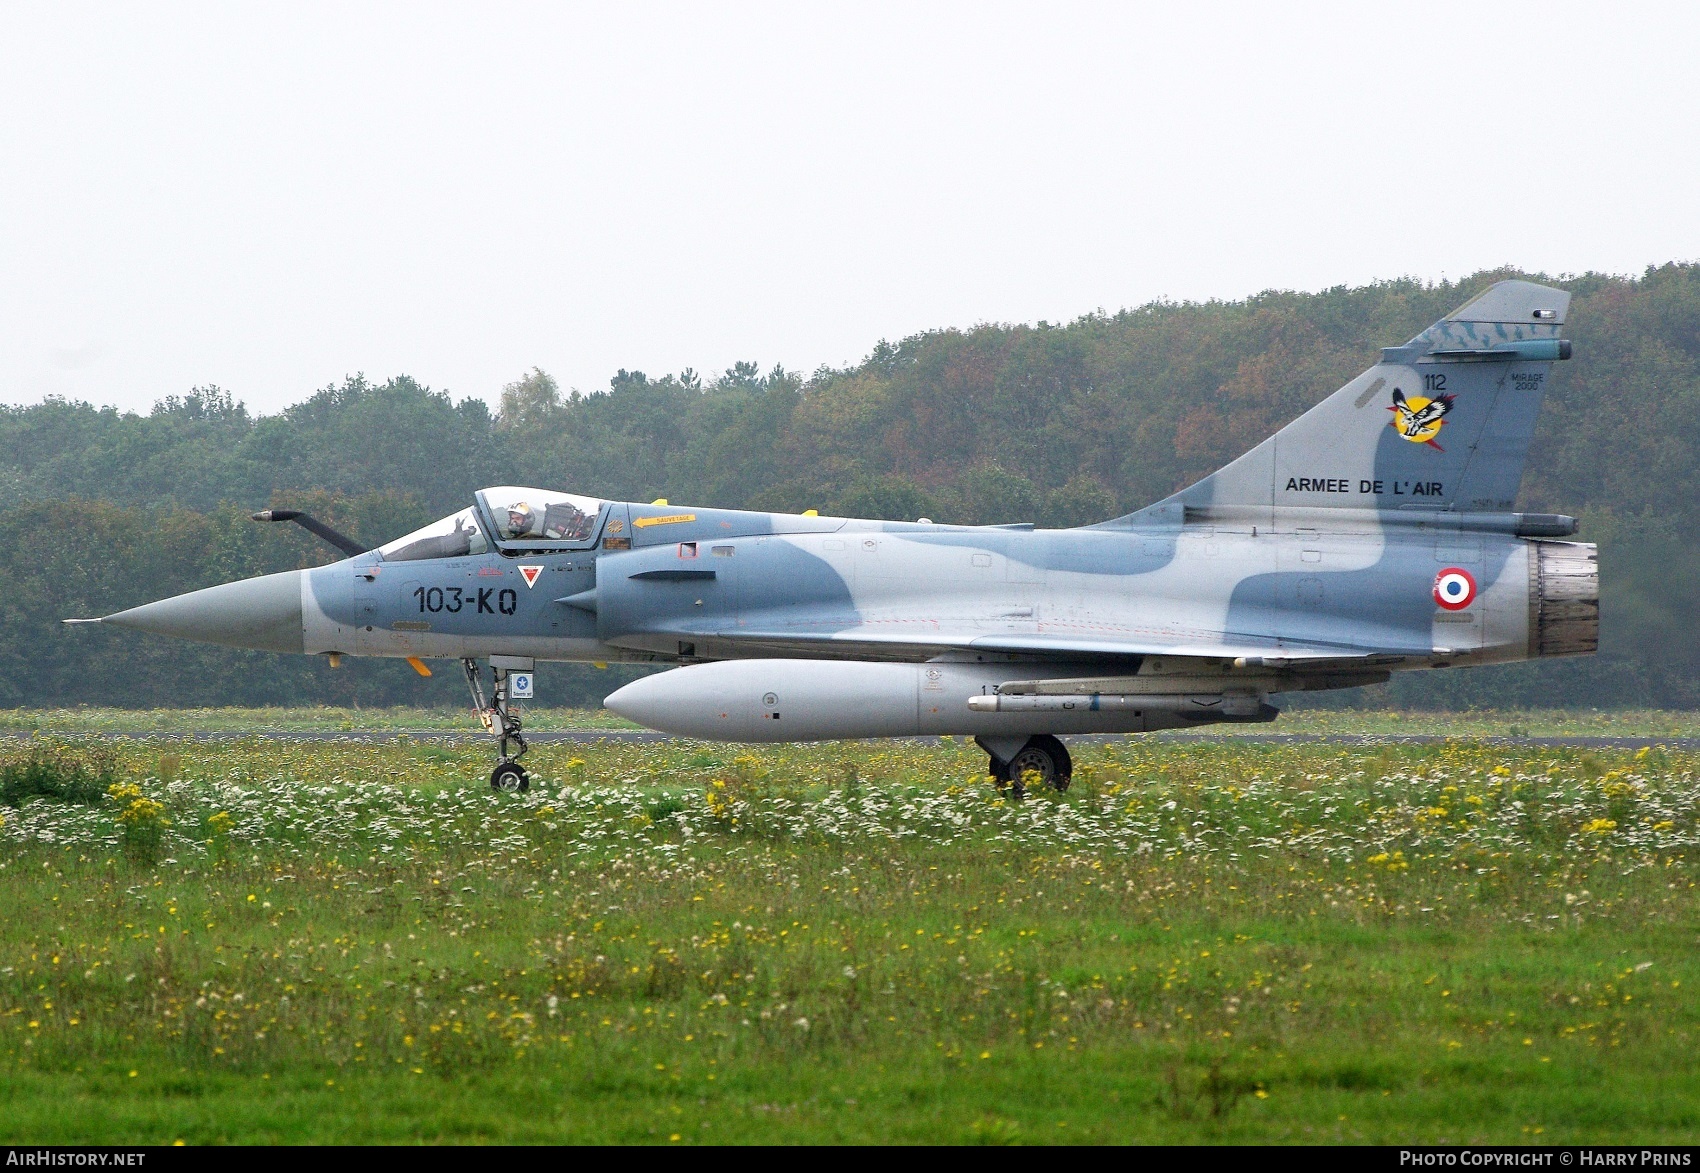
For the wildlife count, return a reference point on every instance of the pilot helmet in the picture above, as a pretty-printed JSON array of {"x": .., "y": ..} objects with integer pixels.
[{"x": 522, "y": 519}]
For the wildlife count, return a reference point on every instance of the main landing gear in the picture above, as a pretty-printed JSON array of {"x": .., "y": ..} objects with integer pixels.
[
  {"x": 1017, "y": 762},
  {"x": 501, "y": 720}
]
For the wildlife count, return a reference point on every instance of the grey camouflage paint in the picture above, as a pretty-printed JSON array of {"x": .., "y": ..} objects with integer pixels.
[{"x": 1309, "y": 562}]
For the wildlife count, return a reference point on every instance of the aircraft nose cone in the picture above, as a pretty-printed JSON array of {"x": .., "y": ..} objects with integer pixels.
[{"x": 262, "y": 613}]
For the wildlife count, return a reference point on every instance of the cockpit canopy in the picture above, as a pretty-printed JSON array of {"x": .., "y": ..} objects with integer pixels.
[
  {"x": 455, "y": 536},
  {"x": 534, "y": 519},
  {"x": 538, "y": 515}
]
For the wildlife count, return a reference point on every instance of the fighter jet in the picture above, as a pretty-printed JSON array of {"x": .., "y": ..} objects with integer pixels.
[{"x": 1347, "y": 546}]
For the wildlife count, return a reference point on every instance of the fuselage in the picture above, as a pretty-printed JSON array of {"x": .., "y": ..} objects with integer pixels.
[{"x": 729, "y": 584}]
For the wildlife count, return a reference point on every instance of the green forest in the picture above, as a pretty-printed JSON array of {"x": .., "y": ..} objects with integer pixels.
[{"x": 1060, "y": 424}]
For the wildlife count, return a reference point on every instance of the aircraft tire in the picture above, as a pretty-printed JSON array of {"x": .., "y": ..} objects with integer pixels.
[
  {"x": 1009, "y": 785},
  {"x": 510, "y": 778},
  {"x": 1046, "y": 756}
]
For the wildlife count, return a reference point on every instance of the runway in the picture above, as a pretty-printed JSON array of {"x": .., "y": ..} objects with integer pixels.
[{"x": 648, "y": 737}]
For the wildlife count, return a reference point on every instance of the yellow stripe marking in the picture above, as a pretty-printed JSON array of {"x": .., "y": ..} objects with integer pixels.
[{"x": 669, "y": 519}]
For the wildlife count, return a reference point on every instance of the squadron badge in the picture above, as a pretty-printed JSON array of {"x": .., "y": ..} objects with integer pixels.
[{"x": 1419, "y": 420}]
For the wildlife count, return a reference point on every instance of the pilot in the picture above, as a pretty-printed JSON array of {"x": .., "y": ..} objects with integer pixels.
[{"x": 522, "y": 520}]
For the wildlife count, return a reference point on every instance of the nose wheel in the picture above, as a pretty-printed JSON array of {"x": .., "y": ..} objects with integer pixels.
[
  {"x": 502, "y": 720},
  {"x": 1042, "y": 760},
  {"x": 510, "y": 778}
]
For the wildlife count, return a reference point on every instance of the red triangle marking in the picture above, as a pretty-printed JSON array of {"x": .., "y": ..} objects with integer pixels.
[{"x": 530, "y": 573}]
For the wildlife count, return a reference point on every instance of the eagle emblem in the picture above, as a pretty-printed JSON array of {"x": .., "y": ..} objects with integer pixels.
[{"x": 1419, "y": 420}]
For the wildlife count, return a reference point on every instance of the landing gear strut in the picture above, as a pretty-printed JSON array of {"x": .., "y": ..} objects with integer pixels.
[
  {"x": 1041, "y": 755},
  {"x": 504, "y": 723}
]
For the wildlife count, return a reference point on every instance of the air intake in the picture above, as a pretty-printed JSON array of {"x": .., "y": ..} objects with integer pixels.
[{"x": 1564, "y": 598}]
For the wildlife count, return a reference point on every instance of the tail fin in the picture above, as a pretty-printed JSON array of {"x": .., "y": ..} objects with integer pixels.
[{"x": 1442, "y": 422}]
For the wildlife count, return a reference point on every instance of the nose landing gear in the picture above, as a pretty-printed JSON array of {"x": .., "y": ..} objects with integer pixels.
[
  {"x": 503, "y": 721},
  {"x": 1043, "y": 758}
]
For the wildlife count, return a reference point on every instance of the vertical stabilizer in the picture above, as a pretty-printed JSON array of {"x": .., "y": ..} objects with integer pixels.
[{"x": 1442, "y": 422}]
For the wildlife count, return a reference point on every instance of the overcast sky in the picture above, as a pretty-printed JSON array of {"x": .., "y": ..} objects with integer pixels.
[{"x": 268, "y": 198}]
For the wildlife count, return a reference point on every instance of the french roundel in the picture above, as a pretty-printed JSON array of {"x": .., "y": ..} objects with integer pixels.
[{"x": 1454, "y": 588}]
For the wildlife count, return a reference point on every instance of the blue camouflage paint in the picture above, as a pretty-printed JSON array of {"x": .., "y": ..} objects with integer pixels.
[{"x": 1309, "y": 561}]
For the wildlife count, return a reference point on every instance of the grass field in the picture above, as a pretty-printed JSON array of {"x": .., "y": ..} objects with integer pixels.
[
  {"x": 1201, "y": 941},
  {"x": 1511, "y": 723}
]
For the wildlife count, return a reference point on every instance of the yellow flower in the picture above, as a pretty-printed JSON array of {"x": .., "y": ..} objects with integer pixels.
[{"x": 143, "y": 811}]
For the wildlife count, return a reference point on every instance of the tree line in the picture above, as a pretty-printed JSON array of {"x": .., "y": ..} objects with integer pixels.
[{"x": 1060, "y": 424}]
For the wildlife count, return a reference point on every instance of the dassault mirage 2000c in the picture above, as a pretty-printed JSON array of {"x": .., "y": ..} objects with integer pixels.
[{"x": 1373, "y": 534}]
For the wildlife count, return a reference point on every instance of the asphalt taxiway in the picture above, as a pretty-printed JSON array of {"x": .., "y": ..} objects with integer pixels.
[{"x": 648, "y": 737}]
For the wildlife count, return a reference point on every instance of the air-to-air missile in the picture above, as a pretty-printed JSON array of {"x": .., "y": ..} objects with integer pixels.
[{"x": 1376, "y": 533}]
